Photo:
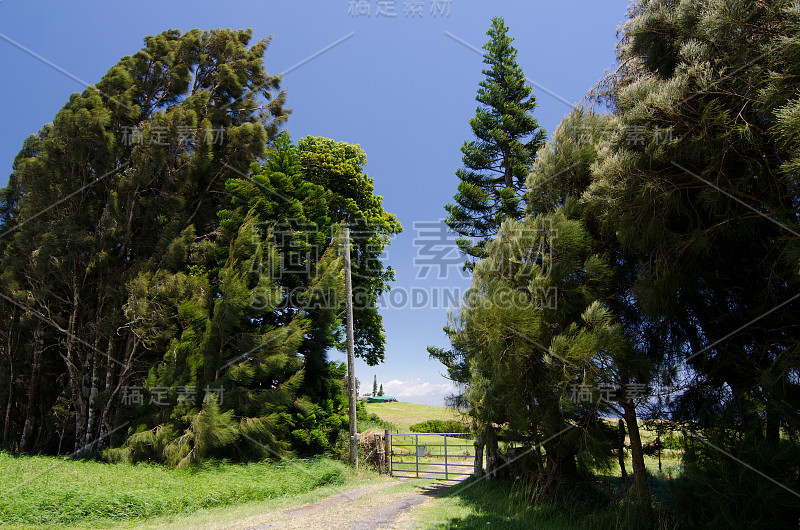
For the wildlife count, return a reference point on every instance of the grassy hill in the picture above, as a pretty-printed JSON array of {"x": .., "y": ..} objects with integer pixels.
[{"x": 403, "y": 414}]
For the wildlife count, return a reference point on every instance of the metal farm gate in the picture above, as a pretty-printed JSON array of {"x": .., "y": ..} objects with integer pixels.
[{"x": 443, "y": 456}]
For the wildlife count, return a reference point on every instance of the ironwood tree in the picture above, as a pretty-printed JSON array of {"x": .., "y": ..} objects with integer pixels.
[{"x": 702, "y": 180}]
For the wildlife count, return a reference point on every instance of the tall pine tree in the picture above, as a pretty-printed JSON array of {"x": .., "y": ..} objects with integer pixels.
[{"x": 498, "y": 160}]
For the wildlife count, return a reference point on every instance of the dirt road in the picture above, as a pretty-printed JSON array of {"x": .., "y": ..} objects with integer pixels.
[{"x": 386, "y": 506}]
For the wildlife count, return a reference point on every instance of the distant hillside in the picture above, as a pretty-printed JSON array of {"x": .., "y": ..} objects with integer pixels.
[{"x": 405, "y": 414}]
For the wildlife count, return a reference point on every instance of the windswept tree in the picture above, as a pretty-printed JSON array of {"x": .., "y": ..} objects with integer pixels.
[
  {"x": 497, "y": 161},
  {"x": 298, "y": 199},
  {"x": 106, "y": 196}
]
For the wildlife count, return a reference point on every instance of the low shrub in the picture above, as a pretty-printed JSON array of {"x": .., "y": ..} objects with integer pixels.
[{"x": 440, "y": 426}]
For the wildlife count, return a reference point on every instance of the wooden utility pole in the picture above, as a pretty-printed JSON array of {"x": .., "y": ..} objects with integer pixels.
[{"x": 351, "y": 365}]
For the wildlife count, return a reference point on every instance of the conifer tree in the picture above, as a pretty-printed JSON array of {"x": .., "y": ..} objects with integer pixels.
[
  {"x": 498, "y": 160},
  {"x": 510, "y": 340},
  {"x": 110, "y": 197},
  {"x": 701, "y": 178}
]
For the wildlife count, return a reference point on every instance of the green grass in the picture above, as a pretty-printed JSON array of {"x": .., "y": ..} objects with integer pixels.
[
  {"x": 496, "y": 504},
  {"x": 254, "y": 514},
  {"x": 482, "y": 504},
  {"x": 404, "y": 415},
  {"x": 53, "y": 491}
]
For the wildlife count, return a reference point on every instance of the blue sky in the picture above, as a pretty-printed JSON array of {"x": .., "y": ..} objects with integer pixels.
[{"x": 402, "y": 87}]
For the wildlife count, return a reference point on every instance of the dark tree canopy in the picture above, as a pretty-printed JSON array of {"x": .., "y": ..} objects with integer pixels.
[{"x": 148, "y": 243}]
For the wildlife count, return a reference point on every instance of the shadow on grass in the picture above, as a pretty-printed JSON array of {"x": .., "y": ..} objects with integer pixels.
[
  {"x": 496, "y": 504},
  {"x": 603, "y": 503}
]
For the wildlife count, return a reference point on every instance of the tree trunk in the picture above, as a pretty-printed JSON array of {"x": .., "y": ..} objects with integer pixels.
[
  {"x": 537, "y": 451},
  {"x": 7, "y": 421},
  {"x": 11, "y": 383},
  {"x": 94, "y": 389},
  {"x": 26, "y": 441},
  {"x": 478, "y": 465},
  {"x": 645, "y": 509},
  {"x": 621, "y": 450},
  {"x": 91, "y": 407},
  {"x": 773, "y": 432},
  {"x": 492, "y": 456},
  {"x": 75, "y": 373},
  {"x": 128, "y": 355},
  {"x": 564, "y": 466}
]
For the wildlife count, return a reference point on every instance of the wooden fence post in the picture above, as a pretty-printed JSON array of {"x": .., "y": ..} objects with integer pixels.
[{"x": 376, "y": 437}]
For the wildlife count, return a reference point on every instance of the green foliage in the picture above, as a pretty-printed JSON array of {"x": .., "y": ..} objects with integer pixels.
[
  {"x": 371, "y": 421},
  {"x": 762, "y": 503},
  {"x": 143, "y": 446},
  {"x": 404, "y": 414},
  {"x": 497, "y": 162},
  {"x": 542, "y": 318},
  {"x": 440, "y": 426},
  {"x": 675, "y": 265},
  {"x": 711, "y": 210},
  {"x": 171, "y": 274},
  {"x": 307, "y": 189},
  {"x": 208, "y": 430},
  {"x": 110, "y": 266}
]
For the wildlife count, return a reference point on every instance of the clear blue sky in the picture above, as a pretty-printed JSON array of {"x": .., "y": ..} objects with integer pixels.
[{"x": 403, "y": 88}]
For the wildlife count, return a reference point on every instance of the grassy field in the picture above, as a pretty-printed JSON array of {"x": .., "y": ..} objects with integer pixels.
[
  {"x": 403, "y": 414},
  {"x": 52, "y": 491}
]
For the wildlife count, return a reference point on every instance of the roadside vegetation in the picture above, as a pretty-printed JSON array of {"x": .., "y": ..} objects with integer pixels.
[
  {"x": 641, "y": 263},
  {"x": 39, "y": 490}
]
